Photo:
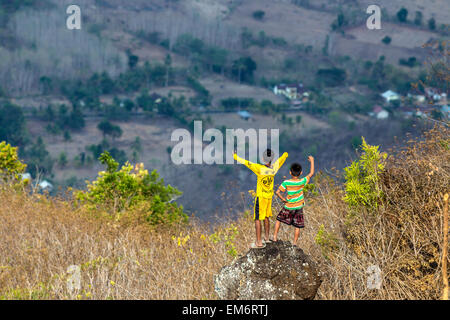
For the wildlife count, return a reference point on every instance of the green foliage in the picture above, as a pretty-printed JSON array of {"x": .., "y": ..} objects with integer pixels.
[
  {"x": 109, "y": 129},
  {"x": 410, "y": 62},
  {"x": 326, "y": 240},
  {"x": 387, "y": 40},
  {"x": 402, "y": 15},
  {"x": 10, "y": 165},
  {"x": 418, "y": 19},
  {"x": 258, "y": 14},
  {"x": 235, "y": 102},
  {"x": 331, "y": 77},
  {"x": 243, "y": 68},
  {"x": 227, "y": 236},
  {"x": 432, "y": 24},
  {"x": 132, "y": 188},
  {"x": 362, "y": 185},
  {"x": 38, "y": 158},
  {"x": 356, "y": 142},
  {"x": 132, "y": 61},
  {"x": 341, "y": 21},
  {"x": 12, "y": 124},
  {"x": 310, "y": 189}
]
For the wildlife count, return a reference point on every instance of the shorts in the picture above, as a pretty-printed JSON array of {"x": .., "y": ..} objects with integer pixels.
[
  {"x": 262, "y": 209},
  {"x": 292, "y": 217}
]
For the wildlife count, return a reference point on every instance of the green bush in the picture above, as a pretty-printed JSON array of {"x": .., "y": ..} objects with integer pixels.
[
  {"x": 117, "y": 191},
  {"x": 10, "y": 165},
  {"x": 259, "y": 14},
  {"x": 362, "y": 188},
  {"x": 387, "y": 40},
  {"x": 12, "y": 124},
  {"x": 402, "y": 15}
]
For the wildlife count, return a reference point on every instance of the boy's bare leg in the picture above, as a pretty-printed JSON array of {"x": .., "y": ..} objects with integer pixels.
[
  {"x": 277, "y": 227},
  {"x": 266, "y": 229},
  {"x": 296, "y": 235},
  {"x": 258, "y": 233}
]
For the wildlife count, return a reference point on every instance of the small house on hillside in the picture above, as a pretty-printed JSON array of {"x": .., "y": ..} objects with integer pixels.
[
  {"x": 418, "y": 98},
  {"x": 390, "y": 96},
  {"x": 44, "y": 185},
  {"x": 435, "y": 94},
  {"x": 379, "y": 113},
  {"x": 290, "y": 91},
  {"x": 245, "y": 115}
]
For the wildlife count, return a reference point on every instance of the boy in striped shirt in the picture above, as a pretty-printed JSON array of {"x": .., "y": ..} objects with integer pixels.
[{"x": 292, "y": 212}]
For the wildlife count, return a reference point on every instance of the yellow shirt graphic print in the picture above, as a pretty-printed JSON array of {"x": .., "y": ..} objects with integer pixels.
[{"x": 265, "y": 175}]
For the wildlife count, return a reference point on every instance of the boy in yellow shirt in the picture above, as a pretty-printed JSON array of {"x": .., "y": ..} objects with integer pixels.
[{"x": 264, "y": 191}]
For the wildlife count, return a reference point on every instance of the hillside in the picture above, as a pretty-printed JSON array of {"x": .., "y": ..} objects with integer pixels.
[
  {"x": 207, "y": 60},
  {"x": 122, "y": 256}
]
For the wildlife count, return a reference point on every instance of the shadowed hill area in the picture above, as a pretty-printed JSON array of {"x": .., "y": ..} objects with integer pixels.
[{"x": 393, "y": 221}]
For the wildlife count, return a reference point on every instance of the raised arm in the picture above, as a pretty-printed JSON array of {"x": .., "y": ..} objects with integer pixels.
[
  {"x": 277, "y": 165},
  {"x": 311, "y": 171},
  {"x": 252, "y": 166}
]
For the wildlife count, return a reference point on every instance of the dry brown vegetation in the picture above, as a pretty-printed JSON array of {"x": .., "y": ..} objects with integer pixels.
[{"x": 125, "y": 259}]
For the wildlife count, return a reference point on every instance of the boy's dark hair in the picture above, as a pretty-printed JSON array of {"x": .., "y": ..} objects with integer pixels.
[
  {"x": 268, "y": 156},
  {"x": 296, "y": 169}
]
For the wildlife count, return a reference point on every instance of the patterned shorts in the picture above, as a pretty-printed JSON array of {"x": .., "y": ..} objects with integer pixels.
[{"x": 292, "y": 217}]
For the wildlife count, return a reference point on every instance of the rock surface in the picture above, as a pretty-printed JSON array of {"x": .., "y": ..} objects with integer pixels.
[{"x": 279, "y": 271}]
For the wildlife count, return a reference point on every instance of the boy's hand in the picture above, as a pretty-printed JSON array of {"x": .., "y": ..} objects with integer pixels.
[{"x": 311, "y": 159}]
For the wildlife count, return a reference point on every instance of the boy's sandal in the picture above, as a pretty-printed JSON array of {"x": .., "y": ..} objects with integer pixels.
[
  {"x": 254, "y": 246},
  {"x": 268, "y": 241}
]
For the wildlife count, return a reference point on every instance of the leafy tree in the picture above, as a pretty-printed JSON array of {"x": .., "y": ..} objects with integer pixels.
[
  {"x": 46, "y": 84},
  {"x": 362, "y": 178},
  {"x": 38, "y": 158},
  {"x": 243, "y": 68},
  {"x": 76, "y": 119},
  {"x": 432, "y": 24},
  {"x": 10, "y": 165},
  {"x": 109, "y": 129},
  {"x": 12, "y": 124},
  {"x": 136, "y": 146},
  {"x": 215, "y": 59},
  {"x": 165, "y": 107},
  {"x": 132, "y": 61},
  {"x": 411, "y": 62},
  {"x": 62, "y": 159},
  {"x": 129, "y": 105},
  {"x": 258, "y": 14},
  {"x": 129, "y": 188},
  {"x": 387, "y": 40},
  {"x": 67, "y": 136},
  {"x": 402, "y": 15},
  {"x": 340, "y": 22},
  {"x": 331, "y": 77},
  {"x": 418, "y": 19}
]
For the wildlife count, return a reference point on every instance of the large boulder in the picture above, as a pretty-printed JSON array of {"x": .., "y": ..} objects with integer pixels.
[{"x": 279, "y": 271}]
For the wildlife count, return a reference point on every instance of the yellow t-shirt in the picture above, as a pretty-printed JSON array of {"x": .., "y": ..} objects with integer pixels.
[{"x": 265, "y": 175}]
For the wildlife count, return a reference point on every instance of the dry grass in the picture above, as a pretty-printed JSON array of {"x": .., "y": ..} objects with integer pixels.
[{"x": 125, "y": 259}]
